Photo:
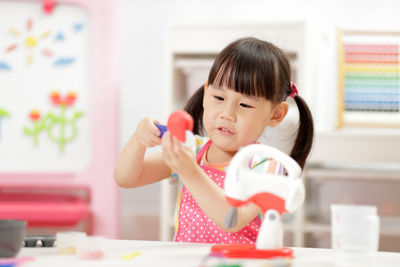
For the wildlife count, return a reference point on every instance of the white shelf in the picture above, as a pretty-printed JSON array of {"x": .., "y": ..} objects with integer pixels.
[
  {"x": 312, "y": 227},
  {"x": 386, "y": 172},
  {"x": 390, "y": 226}
]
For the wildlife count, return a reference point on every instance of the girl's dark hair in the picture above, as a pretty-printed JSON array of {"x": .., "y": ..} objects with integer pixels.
[{"x": 257, "y": 68}]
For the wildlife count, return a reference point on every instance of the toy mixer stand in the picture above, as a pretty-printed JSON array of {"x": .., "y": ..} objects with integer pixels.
[{"x": 273, "y": 193}]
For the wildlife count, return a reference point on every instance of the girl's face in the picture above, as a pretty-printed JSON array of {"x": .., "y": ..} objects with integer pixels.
[{"x": 232, "y": 120}]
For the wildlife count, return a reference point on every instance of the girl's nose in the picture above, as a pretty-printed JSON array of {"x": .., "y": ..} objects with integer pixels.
[{"x": 228, "y": 113}]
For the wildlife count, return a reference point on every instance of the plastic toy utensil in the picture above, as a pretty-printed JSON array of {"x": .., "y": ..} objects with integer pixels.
[{"x": 162, "y": 129}]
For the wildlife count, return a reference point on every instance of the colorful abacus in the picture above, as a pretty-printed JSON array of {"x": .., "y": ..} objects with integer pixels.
[{"x": 371, "y": 77}]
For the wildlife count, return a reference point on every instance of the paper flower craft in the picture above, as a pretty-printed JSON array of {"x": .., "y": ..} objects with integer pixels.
[{"x": 60, "y": 128}]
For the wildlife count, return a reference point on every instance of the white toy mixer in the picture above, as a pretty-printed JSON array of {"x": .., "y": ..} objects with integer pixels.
[{"x": 273, "y": 193}]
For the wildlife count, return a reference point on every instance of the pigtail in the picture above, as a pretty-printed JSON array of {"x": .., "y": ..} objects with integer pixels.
[
  {"x": 305, "y": 134},
  {"x": 194, "y": 107}
]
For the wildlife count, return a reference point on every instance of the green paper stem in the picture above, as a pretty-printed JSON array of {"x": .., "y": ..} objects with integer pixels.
[
  {"x": 63, "y": 122},
  {"x": 38, "y": 126},
  {"x": 50, "y": 122},
  {"x": 4, "y": 113}
]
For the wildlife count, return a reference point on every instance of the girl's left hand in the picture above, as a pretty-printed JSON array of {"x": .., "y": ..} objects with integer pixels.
[{"x": 178, "y": 157}]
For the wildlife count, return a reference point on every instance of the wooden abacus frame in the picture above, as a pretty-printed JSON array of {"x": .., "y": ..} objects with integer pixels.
[{"x": 343, "y": 121}]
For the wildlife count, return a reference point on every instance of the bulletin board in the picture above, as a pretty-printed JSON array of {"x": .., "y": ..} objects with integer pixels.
[
  {"x": 59, "y": 80},
  {"x": 368, "y": 79},
  {"x": 45, "y": 94}
]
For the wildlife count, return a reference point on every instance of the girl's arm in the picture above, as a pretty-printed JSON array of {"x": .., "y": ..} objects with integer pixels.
[
  {"x": 211, "y": 199},
  {"x": 132, "y": 168},
  {"x": 209, "y": 196}
]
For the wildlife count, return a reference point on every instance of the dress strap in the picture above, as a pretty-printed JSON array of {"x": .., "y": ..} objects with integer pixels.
[{"x": 202, "y": 151}]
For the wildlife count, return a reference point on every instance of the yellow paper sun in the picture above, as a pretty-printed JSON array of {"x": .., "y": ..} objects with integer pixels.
[{"x": 29, "y": 41}]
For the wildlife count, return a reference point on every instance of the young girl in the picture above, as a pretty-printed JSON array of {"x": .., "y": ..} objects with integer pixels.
[{"x": 246, "y": 91}]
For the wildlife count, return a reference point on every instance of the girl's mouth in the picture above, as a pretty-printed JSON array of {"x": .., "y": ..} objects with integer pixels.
[{"x": 224, "y": 131}]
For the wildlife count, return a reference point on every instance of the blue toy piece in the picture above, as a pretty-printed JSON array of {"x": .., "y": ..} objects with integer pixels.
[{"x": 163, "y": 129}]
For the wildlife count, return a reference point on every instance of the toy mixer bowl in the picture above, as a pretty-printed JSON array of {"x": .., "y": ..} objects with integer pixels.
[{"x": 12, "y": 233}]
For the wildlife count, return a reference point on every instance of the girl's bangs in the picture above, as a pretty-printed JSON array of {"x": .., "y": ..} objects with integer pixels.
[{"x": 249, "y": 78}]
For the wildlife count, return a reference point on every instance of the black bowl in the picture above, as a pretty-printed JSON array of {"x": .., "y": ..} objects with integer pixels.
[{"x": 12, "y": 233}]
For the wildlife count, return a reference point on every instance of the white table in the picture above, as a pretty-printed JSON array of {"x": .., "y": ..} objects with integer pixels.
[{"x": 160, "y": 254}]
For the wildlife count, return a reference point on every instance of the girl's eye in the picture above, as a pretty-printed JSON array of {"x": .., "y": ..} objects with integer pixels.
[
  {"x": 245, "y": 105},
  {"x": 219, "y": 98}
]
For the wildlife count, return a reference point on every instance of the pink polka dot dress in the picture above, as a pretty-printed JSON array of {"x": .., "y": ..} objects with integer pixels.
[{"x": 193, "y": 225}]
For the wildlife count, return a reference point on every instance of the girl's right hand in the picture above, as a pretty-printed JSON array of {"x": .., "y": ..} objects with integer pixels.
[{"x": 147, "y": 133}]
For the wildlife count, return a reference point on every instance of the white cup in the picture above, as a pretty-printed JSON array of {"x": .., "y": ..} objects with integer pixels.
[{"x": 355, "y": 228}]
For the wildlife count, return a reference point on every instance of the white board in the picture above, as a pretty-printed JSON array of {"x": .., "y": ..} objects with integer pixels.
[{"x": 58, "y": 45}]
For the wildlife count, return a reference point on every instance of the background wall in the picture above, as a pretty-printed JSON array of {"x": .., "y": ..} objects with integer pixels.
[{"x": 144, "y": 40}]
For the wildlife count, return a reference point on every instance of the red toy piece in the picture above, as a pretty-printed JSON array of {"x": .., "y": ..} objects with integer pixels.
[
  {"x": 250, "y": 251},
  {"x": 178, "y": 122}
]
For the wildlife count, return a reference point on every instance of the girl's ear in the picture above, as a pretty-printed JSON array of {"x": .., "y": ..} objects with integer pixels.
[{"x": 278, "y": 113}]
